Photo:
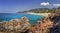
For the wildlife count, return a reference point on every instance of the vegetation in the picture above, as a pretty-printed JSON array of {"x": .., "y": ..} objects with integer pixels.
[{"x": 41, "y": 10}]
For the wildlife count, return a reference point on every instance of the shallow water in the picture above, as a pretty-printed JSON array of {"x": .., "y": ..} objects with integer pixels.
[{"x": 9, "y": 16}]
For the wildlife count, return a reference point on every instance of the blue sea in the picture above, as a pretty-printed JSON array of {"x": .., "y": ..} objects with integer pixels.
[{"x": 9, "y": 16}]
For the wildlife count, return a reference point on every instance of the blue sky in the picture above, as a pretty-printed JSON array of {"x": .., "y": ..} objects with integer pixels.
[{"x": 13, "y": 6}]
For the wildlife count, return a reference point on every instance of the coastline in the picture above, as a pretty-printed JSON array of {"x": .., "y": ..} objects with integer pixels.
[
  {"x": 43, "y": 14},
  {"x": 16, "y": 24}
]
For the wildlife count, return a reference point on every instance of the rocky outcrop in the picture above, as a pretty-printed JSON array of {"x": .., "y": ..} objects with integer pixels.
[
  {"x": 42, "y": 26},
  {"x": 17, "y": 25},
  {"x": 22, "y": 25}
]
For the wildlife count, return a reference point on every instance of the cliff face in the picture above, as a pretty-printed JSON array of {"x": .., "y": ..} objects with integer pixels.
[
  {"x": 56, "y": 24},
  {"x": 56, "y": 21}
]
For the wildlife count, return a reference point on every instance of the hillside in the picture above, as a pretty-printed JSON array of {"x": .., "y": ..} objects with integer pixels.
[{"x": 40, "y": 10}]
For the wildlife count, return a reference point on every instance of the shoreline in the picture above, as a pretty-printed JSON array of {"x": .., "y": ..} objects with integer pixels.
[{"x": 43, "y": 14}]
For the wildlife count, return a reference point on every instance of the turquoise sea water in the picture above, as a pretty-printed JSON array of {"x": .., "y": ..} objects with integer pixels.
[{"x": 9, "y": 16}]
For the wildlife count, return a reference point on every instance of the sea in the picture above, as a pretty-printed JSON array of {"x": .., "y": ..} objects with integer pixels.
[{"x": 9, "y": 16}]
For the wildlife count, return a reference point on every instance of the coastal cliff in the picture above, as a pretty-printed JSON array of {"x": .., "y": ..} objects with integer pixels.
[
  {"x": 22, "y": 25},
  {"x": 49, "y": 24}
]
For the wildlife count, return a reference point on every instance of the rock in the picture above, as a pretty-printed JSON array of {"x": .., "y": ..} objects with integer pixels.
[
  {"x": 25, "y": 24},
  {"x": 20, "y": 25}
]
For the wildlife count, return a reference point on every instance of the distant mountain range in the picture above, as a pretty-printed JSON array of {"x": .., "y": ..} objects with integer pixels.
[{"x": 39, "y": 10}]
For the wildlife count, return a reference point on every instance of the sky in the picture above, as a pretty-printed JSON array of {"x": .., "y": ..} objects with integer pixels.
[{"x": 13, "y": 6}]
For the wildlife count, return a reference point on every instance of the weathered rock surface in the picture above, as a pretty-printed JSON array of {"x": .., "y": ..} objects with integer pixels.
[{"x": 15, "y": 25}]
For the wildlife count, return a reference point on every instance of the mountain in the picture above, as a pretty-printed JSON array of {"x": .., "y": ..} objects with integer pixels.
[{"x": 39, "y": 10}]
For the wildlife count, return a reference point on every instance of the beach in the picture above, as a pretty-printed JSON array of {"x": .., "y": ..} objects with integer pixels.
[{"x": 43, "y": 14}]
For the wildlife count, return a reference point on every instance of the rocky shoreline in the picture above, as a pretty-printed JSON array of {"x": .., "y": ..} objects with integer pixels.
[
  {"x": 50, "y": 24},
  {"x": 22, "y": 25},
  {"x": 15, "y": 25}
]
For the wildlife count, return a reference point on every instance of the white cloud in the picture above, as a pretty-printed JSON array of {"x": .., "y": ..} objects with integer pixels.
[
  {"x": 49, "y": 5},
  {"x": 56, "y": 5},
  {"x": 45, "y": 4}
]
